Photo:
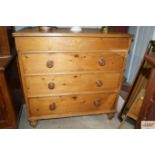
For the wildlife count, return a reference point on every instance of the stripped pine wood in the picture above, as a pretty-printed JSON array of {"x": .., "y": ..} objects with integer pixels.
[{"x": 58, "y": 65}]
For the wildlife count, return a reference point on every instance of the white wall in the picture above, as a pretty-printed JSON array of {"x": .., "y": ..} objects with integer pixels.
[
  {"x": 132, "y": 30},
  {"x": 142, "y": 36}
]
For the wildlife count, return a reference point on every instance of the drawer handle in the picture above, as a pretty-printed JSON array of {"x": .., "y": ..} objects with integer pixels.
[
  {"x": 50, "y": 64},
  {"x": 101, "y": 62},
  {"x": 52, "y": 106},
  {"x": 97, "y": 103},
  {"x": 99, "y": 83},
  {"x": 51, "y": 85}
]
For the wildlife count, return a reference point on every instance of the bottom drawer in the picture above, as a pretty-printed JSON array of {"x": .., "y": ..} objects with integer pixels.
[{"x": 73, "y": 105}]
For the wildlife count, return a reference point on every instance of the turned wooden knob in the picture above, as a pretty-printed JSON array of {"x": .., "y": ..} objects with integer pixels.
[
  {"x": 99, "y": 83},
  {"x": 152, "y": 100},
  {"x": 101, "y": 62},
  {"x": 97, "y": 103},
  {"x": 51, "y": 85},
  {"x": 52, "y": 106},
  {"x": 50, "y": 64}
]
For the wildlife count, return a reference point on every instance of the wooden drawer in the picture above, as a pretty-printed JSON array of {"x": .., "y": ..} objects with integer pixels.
[
  {"x": 72, "y": 105},
  {"x": 66, "y": 62},
  {"x": 69, "y": 83},
  {"x": 70, "y": 43}
]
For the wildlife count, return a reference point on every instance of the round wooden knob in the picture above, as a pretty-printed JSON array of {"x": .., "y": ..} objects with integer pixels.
[
  {"x": 51, "y": 85},
  {"x": 52, "y": 106},
  {"x": 152, "y": 100},
  {"x": 97, "y": 103},
  {"x": 101, "y": 62},
  {"x": 99, "y": 83},
  {"x": 50, "y": 64}
]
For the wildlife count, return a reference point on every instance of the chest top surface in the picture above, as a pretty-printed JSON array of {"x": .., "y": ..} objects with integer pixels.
[{"x": 65, "y": 32}]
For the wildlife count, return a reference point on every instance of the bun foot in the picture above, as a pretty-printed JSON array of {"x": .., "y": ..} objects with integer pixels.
[
  {"x": 110, "y": 116},
  {"x": 33, "y": 123}
]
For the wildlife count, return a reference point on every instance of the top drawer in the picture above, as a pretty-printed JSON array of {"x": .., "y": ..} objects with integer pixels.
[
  {"x": 70, "y": 43},
  {"x": 38, "y": 63}
]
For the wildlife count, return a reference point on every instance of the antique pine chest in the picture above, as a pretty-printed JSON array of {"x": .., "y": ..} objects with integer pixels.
[{"x": 70, "y": 74}]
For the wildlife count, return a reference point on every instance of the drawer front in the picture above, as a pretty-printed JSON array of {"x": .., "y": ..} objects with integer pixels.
[
  {"x": 60, "y": 106},
  {"x": 47, "y": 85},
  {"x": 70, "y": 43},
  {"x": 66, "y": 62}
]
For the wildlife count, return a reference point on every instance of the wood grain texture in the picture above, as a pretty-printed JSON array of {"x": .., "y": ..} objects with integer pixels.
[
  {"x": 72, "y": 62},
  {"x": 4, "y": 61},
  {"x": 147, "y": 111},
  {"x": 39, "y": 85},
  {"x": 70, "y": 74},
  {"x": 10, "y": 94},
  {"x": 72, "y": 105},
  {"x": 136, "y": 106},
  {"x": 69, "y": 43},
  {"x": 7, "y": 116},
  {"x": 6, "y": 41}
]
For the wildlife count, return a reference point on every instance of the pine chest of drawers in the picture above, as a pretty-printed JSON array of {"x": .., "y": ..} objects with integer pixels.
[{"x": 70, "y": 74}]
